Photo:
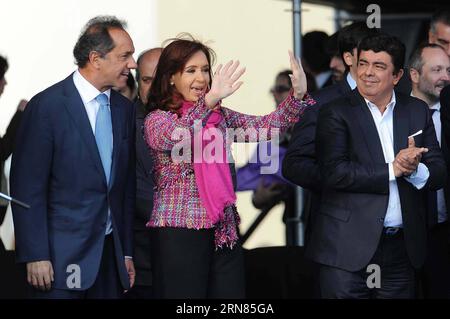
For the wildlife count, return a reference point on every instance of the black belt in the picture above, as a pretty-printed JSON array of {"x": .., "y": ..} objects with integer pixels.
[
  {"x": 392, "y": 231},
  {"x": 444, "y": 224}
]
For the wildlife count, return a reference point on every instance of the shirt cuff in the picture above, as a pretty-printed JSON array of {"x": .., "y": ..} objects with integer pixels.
[
  {"x": 419, "y": 177},
  {"x": 128, "y": 257},
  {"x": 391, "y": 172}
]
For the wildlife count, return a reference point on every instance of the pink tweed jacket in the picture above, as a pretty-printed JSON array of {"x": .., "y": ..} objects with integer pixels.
[{"x": 176, "y": 199}]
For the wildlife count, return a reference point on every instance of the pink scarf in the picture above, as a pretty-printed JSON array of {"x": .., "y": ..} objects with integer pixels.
[{"x": 213, "y": 180}]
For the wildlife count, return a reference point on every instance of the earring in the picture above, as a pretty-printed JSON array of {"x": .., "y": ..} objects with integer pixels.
[{"x": 171, "y": 83}]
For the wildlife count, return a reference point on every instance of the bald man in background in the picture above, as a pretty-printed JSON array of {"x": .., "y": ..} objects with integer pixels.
[
  {"x": 146, "y": 66},
  {"x": 147, "y": 62}
]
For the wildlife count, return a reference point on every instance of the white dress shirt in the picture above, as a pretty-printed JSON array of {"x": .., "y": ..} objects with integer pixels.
[
  {"x": 384, "y": 124},
  {"x": 88, "y": 93}
]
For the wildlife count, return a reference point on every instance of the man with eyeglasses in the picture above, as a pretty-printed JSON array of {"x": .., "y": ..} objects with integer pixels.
[{"x": 282, "y": 86}]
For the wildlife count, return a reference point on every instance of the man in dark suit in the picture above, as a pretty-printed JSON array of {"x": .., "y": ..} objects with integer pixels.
[
  {"x": 429, "y": 71},
  {"x": 444, "y": 99},
  {"x": 9, "y": 287},
  {"x": 378, "y": 154},
  {"x": 300, "y": 164},
  {"x": 146, "y": 66},
  {"x": 7, "y": 140},
  {"x": 74, "y": 165},
  {"x": 315, "y": 58}
]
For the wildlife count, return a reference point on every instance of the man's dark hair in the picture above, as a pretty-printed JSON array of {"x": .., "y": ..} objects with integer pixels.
[
  {"x": 332, "y": 47},
  {"x": 350, "y": 36},
  {"x": 3, "y": 66},
  {"x": 95, "y": 37},
  {"x": 285, "y": 74},
  {"x": 416, "y": 62},
  {"x": 387, "y": 43},
  {"x": 442, "y": 16},
  {"x": 314, "y": 51}
]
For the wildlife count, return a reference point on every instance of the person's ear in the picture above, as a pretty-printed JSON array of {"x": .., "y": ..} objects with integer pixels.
[
  {"x": 431, "y": 36},
  {"x": 348, "y": 58},
  {"x": 398, "y": 76},
  {"x": 95, "y": 59},
  {"x": 414, "y": 74}
]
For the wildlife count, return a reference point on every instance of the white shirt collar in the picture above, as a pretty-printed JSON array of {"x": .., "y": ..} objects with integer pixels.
[
  {"x": 390, "y": 105},
  {"x": 87, "y": 91},
  {"x": 351, "y": 82},
  {"x": 436, "y": 106}
]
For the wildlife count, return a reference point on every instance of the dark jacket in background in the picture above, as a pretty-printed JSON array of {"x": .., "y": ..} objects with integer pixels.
[
  {"x": 300, "y": 164},
  {"x": 144, "y": 202}
]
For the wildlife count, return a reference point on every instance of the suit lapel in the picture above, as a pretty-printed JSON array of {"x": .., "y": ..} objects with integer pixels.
[
  {"x": 344, "y": 87},
  {"x": 117, "y": 119},
  {"x": 367, "y": 126},
  {"x": 75, "y": 107},
  {"x": 401, "y": 125}
]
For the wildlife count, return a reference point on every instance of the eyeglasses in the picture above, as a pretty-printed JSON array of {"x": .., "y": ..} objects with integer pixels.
[{"x": 279, "y": 89}]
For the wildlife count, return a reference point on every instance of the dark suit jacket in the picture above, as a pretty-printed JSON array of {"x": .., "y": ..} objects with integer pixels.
[
  {"x": 355, "y": 180},
  {"x": 7, "y": 141},
  {"x": 144, "y": 162},
  {"x": 445, "y": 138},
  {"x": 144, "y": 201},
  {"x": 6, "y": 148},
  {"x": 56, "y": 168},
  {"x": 300, "y": 164}
]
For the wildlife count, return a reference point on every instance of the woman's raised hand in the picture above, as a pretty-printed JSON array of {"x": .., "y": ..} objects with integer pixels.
[
  {"x": 298, "y": 77},
  {"x": 224, "y": 82}
]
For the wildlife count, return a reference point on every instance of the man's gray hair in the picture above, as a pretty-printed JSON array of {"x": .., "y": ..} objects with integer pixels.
[{"x": 95, "y": 37}]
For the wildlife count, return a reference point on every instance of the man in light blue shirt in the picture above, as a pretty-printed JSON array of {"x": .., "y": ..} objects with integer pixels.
[{"x": 74, "y": 164}]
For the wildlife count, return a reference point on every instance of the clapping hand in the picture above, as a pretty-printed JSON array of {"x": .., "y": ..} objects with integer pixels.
[{"x": 408, "y": 159}]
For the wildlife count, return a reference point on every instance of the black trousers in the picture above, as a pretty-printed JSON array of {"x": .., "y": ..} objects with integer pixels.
[
  {"x": 435, "y": 275},
  {"x": 142, "y": 258},
  {"x": 106, "y": 286},
  {"x": 396, "y": 273},
  {"x": 187, "y": 265}
]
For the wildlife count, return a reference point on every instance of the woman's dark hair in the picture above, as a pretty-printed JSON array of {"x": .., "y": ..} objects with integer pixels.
[
  {"x": 173, "y": 59},
  {"x": 3, "y": 66}
]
